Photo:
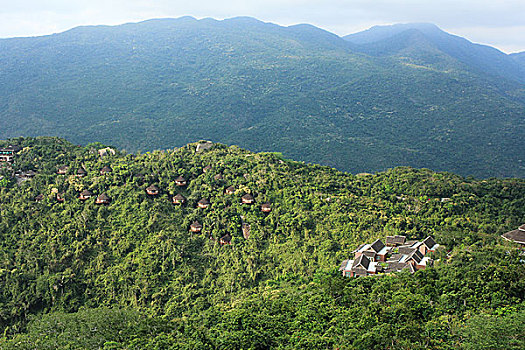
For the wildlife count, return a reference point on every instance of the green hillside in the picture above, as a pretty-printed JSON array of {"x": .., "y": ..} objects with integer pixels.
[
  {"x": 130, "y": 275},
  {"x": 298, "y": 90}
]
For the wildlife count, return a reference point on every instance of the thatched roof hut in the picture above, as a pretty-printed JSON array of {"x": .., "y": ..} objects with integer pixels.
[
  {"x": 86, "y": 194},
  {"x": 62, "y": 170},
  {"x": 247, "y": 199},
  {"x": 103, "y": 199},
  {"x": 196, "y": 227},
  {"x": 105, "y": 170},
  {"x": 179, "y": 199},
  {"x": 180, "y": 181},
  {"x": 152, "y": 190},
  {"x": 226, "y": 239},
  {"x": 266, "y": 207},
  {"x": 81, "y": 172},
  {"x": 203, "y": 203}
]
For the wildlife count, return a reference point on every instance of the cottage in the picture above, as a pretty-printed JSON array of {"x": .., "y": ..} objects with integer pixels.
[
  {"x": 179, "y": 199},
  {"x": 60, "y": 197},
  {"x": 516, "y": 236},
  {"x": 29, "y": 174},
  {"x": 230, "y": 190},
  {"x": 247, "y": 199},
  {"x": 180, "y": 181},
  {"x": 203, "y": 146},
  {"x": 378, "y": 257},
  {"x": 362, "y": 266},
  {"x": 206, "y": 168},
  {"x": 105, "y": 170},
  {"x": 152, "y": 190},
  {"x": 266, "y": 207},
  {"x": 39, "y": 198},
  {"x": 196, "y": 227},
  {"x": 376, "y": 251},
  {"x": 7, "y": 153},
  {"x": 104, "y": 152},
  {"x": 62, "y": 170},
  {"x": 218, "y": 177},
  {"x": 395, "y": 241},
  {"x": 430, "y": 244},
  {"x": 86, "y": 194},
  {"x": 103, "y": 199},
  {"x": 226, "y": 239},
  {"x": 81, "y": 172},
  {"x": 203, "y": 203}
]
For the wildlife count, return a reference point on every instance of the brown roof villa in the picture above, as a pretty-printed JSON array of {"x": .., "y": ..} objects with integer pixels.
[
  {"x": 179, "y": 199},
  {"x": 247, "y": 199},
  {"x": 266, "y": 207},
  {"x": 105, "y": 170},
  {"x": 230, "y": 190},
  {"x": 196, "y": 227},
  {"x": 516, "y": 236},
  {"x": 226, "y": 239},
  {"x": 152, "y": 190},
  {"x": 81, "y": 172},
  {"x": 103, "y": 199},
  {"x": 180, "y": 181},
  {"x": 62, "y": 170},
  {"x": 85, "y": 195},
  {"x": 203, "y": 203}
]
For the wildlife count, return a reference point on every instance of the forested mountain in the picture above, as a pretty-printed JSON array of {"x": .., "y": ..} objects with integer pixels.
[
  {"x": 421, "y": 100},
  {"x": 434, "y": 47},
  {"x": 519, "y": 57},
  {"x": 129, "y": 274}
]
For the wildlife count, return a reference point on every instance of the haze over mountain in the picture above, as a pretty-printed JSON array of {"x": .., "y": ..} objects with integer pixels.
[{"x": 399, "y": 95}]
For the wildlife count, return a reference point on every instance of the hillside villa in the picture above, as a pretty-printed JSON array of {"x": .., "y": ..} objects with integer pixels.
[{"x": 398, "y": 254}]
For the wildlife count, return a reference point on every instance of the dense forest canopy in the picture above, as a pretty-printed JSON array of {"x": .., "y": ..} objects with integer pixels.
[
  {"x": 131, "y": 275},
  {"x": 413, "y": 96}
]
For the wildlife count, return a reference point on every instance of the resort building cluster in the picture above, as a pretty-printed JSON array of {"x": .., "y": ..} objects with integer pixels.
[{"x": 396, "y": 254}]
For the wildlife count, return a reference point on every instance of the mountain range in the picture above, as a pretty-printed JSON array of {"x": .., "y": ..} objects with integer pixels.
[{"x": 407, "y": 94}]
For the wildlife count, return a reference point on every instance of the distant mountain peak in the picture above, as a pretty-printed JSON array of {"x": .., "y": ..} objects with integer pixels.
[{"x": 381, "y": 32}]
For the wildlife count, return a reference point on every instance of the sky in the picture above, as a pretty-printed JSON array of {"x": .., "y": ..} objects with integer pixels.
[{"x": 498, "y": 23}]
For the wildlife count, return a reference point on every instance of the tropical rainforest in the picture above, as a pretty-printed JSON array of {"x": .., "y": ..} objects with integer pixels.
[
  {"x": 129, "y": 274},
  {"x": 409, "y": 95}
]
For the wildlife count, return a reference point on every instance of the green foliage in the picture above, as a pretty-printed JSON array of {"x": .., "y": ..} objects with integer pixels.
[
  {"x": 495, "y": 331},
  {"x": 299, "y": 90},
  {"x": 132, "y": 270}
]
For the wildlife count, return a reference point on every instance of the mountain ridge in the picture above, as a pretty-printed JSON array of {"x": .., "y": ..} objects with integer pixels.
[{"x": 299, "y": 90}]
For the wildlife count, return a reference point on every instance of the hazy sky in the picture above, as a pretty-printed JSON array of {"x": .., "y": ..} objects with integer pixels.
[{"x": 499, "y": 23}]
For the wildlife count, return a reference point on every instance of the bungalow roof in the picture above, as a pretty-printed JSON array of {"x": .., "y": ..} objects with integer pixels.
[
  {"x": 377, "y": 245},
  {"x": 103, "y": 197},
  {"x": 247, "y": 197},
  {"x": 196, "y": 224},
  {"x": 363, "y": 261},
  {"x": 429, "y": 242},
  {"x": 343, "y": 265},
  {"x": 398, "y": 239},
  {"x": 226, "y": 239},
  {"x": 86, "y": 193},
  {"x": 106, "y": 169},
  {"x": 517, "y": 236}
]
